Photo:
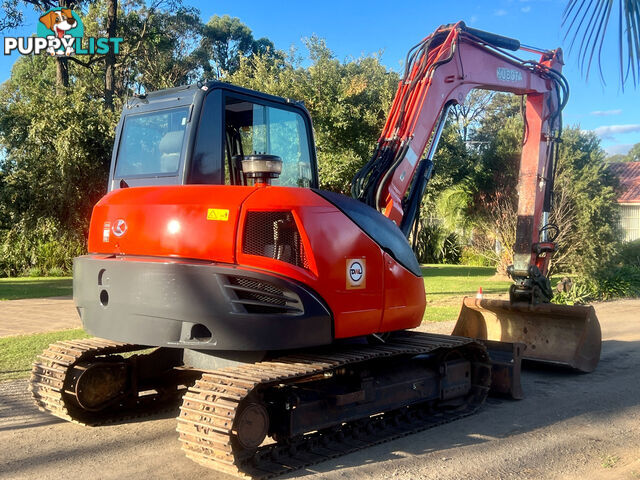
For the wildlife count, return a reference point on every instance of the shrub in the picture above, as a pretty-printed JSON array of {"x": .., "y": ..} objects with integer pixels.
[
  {"x": 475, "y": 259},
  {"x": 433, "y": 244},
  {"x": 630, "y": 254},
  {"x": 34, "y": 272},
  {"x": 582, "y": 291},
  {"x": 616, "y": 282},
  {"x": 43, "y": 248},
  {"x": 57, "y": 272}
]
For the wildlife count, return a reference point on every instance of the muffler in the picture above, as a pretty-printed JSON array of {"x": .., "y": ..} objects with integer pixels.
[{"x": 557, "y": 334}]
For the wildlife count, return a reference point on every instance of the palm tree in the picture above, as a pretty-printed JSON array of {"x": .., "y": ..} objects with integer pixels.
[{"x": 588, "y": 21}]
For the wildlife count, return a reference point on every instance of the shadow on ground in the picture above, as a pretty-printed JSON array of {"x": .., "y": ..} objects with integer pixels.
[{"x": 551, "y": 397}]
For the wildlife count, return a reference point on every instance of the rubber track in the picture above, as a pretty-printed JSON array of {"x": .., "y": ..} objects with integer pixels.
[
  {"x": 49, "y": 373},
  {"x": 206, "y": 420}
]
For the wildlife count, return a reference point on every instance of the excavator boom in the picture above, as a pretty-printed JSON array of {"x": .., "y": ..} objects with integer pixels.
[{"x": 440, "y": 71}]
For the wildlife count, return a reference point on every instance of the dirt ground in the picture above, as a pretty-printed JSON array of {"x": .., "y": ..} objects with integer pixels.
[{"x": 569, "y": 426}]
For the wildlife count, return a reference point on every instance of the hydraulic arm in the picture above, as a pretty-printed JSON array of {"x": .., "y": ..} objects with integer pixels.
[{"x": 440, "y": 71}]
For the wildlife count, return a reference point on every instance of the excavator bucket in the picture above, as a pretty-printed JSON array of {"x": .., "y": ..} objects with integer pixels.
[{"x": 556, "y": 334}]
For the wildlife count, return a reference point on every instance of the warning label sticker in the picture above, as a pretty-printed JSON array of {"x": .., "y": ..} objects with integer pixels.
[
  {"x": 218, "y": 214},
  {"x": 356, "y": 273}
]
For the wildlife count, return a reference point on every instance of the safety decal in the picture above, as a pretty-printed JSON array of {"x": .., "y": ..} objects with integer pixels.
[
  {"x": 218, "y": 214},
  {"x": 106, "y": 231},
  {"x": 356, "y": 273}
]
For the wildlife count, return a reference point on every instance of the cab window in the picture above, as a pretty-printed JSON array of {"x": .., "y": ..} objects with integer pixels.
[
  {"x": 151, "y": 143},
  {"x": 255, "y": 128}
]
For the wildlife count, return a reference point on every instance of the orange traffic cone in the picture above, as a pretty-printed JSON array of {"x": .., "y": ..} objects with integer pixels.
[{"x": 479, "y": 294}]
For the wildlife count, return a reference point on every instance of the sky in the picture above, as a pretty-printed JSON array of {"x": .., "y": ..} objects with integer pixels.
[{"x": 353, "y": 28}]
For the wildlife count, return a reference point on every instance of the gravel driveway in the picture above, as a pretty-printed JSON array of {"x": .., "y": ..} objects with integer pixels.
[{"x": 568, "y": 426}]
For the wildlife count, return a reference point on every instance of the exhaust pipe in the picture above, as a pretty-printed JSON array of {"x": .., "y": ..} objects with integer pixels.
[{"x": 555, "y": 334}]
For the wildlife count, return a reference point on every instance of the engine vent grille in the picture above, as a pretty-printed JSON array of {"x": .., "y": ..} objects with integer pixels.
[
  {"x": 262, "y": 297},
  {"x": 274, "y": 235}
]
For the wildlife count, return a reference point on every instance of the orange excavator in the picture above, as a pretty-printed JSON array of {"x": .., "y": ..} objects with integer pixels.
[{"x": 281, "y": 314}]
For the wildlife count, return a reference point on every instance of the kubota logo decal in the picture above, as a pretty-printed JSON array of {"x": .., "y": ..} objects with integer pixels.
[
  {"x": 508, "y": 75},
  {"x": 119, "y": 227},
  {"x": 356, "y": 273}
]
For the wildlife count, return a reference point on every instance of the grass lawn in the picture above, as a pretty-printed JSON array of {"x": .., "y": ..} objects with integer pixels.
[
  {"x": 36, "y": 287},
  {"x": 18, "y": 353},
  {"x": 447, "y": 284}
]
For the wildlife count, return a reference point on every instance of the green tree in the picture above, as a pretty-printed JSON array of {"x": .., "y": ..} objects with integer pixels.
[
  {"x": 633, "y": 155},
  {"x": 52, "y": 172},
  {"x": 163, "y": 48},
  {"x": 618, "y": 157},
  {"x": 483, "y": 203},
  {"x": 468, "y": 114},
  {"x": 225, "y": 41},
  {"x": 14, "y": 16},
  {"x": 348, "y": 101},
  {"x": 111, "y": 28},
  {"x": 13, "y": 11},
  {"x": 585, "y": 207}
]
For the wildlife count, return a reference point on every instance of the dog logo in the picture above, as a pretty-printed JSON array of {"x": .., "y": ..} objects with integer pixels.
[
  {"x": 62, "y": 24},
  {"x": 356, "y": 273},
  {"x": 119, "y": 227},
  {"x": 60, "y": 33}
]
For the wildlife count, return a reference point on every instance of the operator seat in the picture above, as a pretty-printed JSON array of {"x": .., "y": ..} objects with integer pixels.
[{"x": 170, "y": 147}]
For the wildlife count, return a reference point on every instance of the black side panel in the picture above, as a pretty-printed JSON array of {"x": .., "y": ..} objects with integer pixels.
[
  {"x": 382, "y": 230},
  {"x": 197, "y": 305}
]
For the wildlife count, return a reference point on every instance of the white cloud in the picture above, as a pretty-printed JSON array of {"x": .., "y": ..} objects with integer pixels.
[
  {"x": 622, "y": 148},
  {"x": 608, "y": 131},
  {"x": 606, "y": 113},
  {"x": 526, "y": 9},
  {"x": 500, "y": 13},
  {"x": 473, "y": 19}
]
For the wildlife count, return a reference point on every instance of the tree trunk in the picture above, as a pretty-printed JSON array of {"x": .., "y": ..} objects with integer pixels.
[
  {"x": 110, "y": 59},
  {"x": 62, "y": 64},
  {"x": 62, "y": 75}
]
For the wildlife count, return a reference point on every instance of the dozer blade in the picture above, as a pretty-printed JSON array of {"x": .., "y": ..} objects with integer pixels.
[
  {"x": 557, "y": 334},
  {"x": 506, "y": 364}
]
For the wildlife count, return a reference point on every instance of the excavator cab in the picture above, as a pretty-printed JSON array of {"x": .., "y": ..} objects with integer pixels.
[{"x": 199, "y": 134}]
